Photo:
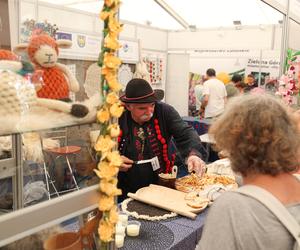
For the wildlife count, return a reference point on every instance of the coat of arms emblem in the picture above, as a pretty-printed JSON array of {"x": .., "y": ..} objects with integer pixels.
[{"x": 81, "y": 40}]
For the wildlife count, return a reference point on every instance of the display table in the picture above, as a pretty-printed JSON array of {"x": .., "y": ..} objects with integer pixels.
[
  {"x": 200, "y": 125},
  {"x": 176, "y": 233}
]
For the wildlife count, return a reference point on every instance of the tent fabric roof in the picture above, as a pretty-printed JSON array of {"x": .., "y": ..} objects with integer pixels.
[{"x": 198, "y": 14}]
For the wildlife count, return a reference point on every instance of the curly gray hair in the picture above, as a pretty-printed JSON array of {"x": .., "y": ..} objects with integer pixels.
[{"x": 260, "y": 135}]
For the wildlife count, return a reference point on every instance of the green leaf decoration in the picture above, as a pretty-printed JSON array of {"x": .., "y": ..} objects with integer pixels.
[{"x": 296, "y": 53}]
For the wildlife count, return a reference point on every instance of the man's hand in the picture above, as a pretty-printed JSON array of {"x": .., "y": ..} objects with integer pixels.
[
  {"x": 196, "y": 164},
  {"x": 127, "y": 163}
]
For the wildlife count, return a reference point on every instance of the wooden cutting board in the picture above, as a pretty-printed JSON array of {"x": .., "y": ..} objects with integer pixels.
[{"x": 166, "y": 198}]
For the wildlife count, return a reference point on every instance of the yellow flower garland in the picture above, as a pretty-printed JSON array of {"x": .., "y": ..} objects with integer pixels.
[
  {"x": 106, "y": 230},
  {"x": 103, "y": 115},
  {"x": 104, "y": 144},
  {"x": 116, "y": 110},
  {"x": 114, "y": 130},
  {"x": 112, "y": 98},
  {"x": 110, "y": 159},
  {"x": 105, "y": 170}
]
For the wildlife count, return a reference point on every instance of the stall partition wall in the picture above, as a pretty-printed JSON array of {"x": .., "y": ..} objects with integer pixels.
[
  {"x": 227, "y": 50},
  {"x": 62, "y": 17},
  {"x": 4, "y": 25},
  {"x": 294, "y": 35},
  {"x": 244, "y": 61},
  {"x": 249, "y": 37},
  {"x": 177, "y": 78},
  {"x": 8, "y": 23}
]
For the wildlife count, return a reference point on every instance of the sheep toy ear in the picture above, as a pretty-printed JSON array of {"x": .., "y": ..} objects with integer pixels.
[
  {"x": 64, "y": 43},
  {"x": 21, "y": 48}
]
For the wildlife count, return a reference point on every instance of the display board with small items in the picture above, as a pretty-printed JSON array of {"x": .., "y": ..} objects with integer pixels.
[{"x": 156, "y": 67}]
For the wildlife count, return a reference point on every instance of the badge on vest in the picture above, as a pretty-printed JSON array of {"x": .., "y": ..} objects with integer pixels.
[{"x": 154, "y": 163}]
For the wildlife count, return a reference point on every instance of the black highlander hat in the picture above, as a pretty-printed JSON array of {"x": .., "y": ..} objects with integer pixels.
[{"x": 140, "y": 91}]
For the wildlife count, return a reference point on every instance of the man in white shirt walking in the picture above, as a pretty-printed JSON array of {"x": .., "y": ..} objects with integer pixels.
[{"x": 215, "y": 95}]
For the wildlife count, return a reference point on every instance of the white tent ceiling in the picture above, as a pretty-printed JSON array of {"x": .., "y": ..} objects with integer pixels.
[{"x": 199, "y": 13}]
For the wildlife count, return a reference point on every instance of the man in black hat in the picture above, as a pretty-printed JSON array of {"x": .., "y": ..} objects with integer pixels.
[{"x": 147, "y": 127}]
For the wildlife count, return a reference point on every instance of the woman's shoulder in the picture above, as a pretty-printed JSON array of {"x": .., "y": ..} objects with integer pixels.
[
  {"x": 232, "y": 200},
  {"x": 242, "y": 222},
  {"x": 231, "y": 196}
]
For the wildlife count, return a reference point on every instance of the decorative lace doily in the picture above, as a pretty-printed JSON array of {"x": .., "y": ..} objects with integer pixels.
[
  {"x": 124, "y": 75},
  {"x": 92, "y": 80},
  {"x": 140, "y": 210}
]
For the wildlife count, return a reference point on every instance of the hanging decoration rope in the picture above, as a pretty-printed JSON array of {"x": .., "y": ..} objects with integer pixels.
[{"x": 107, "y": 116}]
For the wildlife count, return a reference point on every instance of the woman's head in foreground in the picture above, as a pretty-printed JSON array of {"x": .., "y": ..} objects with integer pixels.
[{"x": 259, "y": 134}]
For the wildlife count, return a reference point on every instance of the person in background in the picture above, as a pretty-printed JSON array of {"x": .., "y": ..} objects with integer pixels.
[
  {"x": 214, "y": 95},
  {"x": 199, "y": 95},
  {"x": 240, "y": 86},
  {"x": 262, "y": 140},
  {"x": 147, "y": 127},
  {"x": 271, "y": 85},
  {"x": 192, "y": 98},
  {"x": 251, "y": 83},
  {"x": 231, "y": 88}
]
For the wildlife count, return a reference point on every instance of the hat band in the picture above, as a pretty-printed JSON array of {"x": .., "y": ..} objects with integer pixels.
[{"x": 138, "y": 98}]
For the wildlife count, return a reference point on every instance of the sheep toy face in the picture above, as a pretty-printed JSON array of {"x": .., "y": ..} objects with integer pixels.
[
  {"x": 43, "y": 51},
  {"x": 46, "y": 56}
]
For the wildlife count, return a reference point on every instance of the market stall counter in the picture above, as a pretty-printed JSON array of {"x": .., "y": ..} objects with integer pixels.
[
  {"x": 200, "y": 125},
  {"x": 157, "y": 209}
]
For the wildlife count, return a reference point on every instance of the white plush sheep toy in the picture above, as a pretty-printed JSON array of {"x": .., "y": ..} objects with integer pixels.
[
  {"x": 18, "y": 95},
  {"x": 58, "y": 81},
  {"x": 142, "y": 71}
]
